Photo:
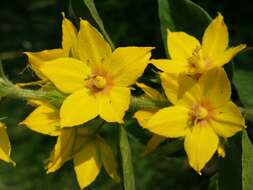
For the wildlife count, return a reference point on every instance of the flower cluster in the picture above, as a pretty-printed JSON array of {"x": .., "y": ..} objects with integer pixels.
[{"x": 91, "y": 84}]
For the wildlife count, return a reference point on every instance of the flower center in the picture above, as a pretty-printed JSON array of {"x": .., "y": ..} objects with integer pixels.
[
  {"x": 197, "y": 62},
  {"x": 199, "y": 113},
  {"x": 99, "y": 82},
  {"x": 202, "y": 113}
]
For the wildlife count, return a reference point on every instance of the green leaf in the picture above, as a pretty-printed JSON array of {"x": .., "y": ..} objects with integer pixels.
[
  {"x": 247, "y": 162},
  {"x": 243, "y": 77},
  {"x": 230, "y": 168},
  {"x": 182, "y": 15},
  {"x": 128, "y": 174},
  {"x": 94, "y": 13}
]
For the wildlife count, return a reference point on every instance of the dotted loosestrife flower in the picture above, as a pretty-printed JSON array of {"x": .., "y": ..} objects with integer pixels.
[
  {"x": 5, "y": 146},
  {"x": 69, "y": 37},
  {"x": 143, "y": 116},
  {"x": 97, "y": 79},
  {"x": 202, "y": 114},
  {"x": 88, "y": 150},
  {"x": 190, "y": 57}
]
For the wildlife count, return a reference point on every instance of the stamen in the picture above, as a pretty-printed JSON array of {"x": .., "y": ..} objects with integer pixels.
[{"x": 99, "y": 82}]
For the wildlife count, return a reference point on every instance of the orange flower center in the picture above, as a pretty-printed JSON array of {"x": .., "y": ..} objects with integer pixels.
[
  {"x": 99, "y": 81},
  {"x": 200, "y": 114}
]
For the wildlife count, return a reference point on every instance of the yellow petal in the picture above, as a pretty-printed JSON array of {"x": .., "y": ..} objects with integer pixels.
[
  {"x": 170, "y": 86},
  {"x": 175, "y": 86},
  {"x": 153, "y": 143},
  {"x": 143, "y": 116},
  {"x": 127, "y": 64},
  {"x": 67, "y": 74},
  {"x": 112, "y": 108},
  {"x": 171, "y": 66},
  {"x": 227, "y": 120},
  {"x": 150, "y": 92},
  {"x": 92, "y": 47},
  {"x": 228, "y": 55},
  {"x": 186, "y": 83},
  {"x": 37, "y": 59},
  {"x": 169, "y": 122},
  {"x": 63, "y": 150},
  {"x": 5, "y": 146},
  {"x": 215, "y": 39},
  {"x": 108, "y": 160},
  {"x": 215, "y": 87},
  {"x": 87, "y": 165},
  {"x": 189, "y": 92},
  {"x": 78, "y": 108},
  {"x": 181, "y": 45},
  {"x": 69, "y": 37},
  {"x": 44, "y": 119},
  {"x": 221, "y": 151},
  {"x": 200, "y": 145}
]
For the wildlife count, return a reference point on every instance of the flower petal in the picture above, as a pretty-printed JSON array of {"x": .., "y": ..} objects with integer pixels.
[
  {"x": 150, "y": 92},
  {"x": 68, "y": 74},
  {"x": 37, "y": 59},
  {"x": 175, "y": 86},
  {"x": 108, "y": 160},
  {"x": 228, "y": 55},
  {"x": 200, "y": 145},
  {"x": 78, "y": 108},
  {"x": 170, "y": 86},
  {"x": 169, "y": 122},
  {"x": 181, "y": 45},
  {"x": 227, "y": 120},
  {"x": 87, "y": 164},
  {"x": 5, "y": 146},
  {"x": 143, "y": 116},
  {"x": 189, "y": 92},
  {"x": 63, "y": 150},
  {"x": 215, "y": 87},
  {"x": 127, "y": 64},
  {"x": 112, "y": 108},
  {"x": 69, "y": 37},
  {"x": 153, "y": 143},
  {"x": 44, "y": 119},
  {"x": 92, "y": 47},
  {"x": 215, "y": 39},
  {"x": 171, "y": 66}
]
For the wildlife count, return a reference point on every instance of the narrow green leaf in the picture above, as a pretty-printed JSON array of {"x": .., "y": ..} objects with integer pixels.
[
  {"x": 128, "y": 174},
  {"x": 247, "y": 162},
  {"x": 93, "y": 11},
  {"x": 243, "y": 77},
  {"x": 182, "y": 15},
  {"x": 230, "y": 167}
]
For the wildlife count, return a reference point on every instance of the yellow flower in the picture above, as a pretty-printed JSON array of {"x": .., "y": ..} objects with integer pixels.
[
  {"x": 98, "y": 81},
  {"x": 88, "y": 150},
  {"x": 69, "y": 35},
  {"x": 44, "y": 119},
  {"x": 5, "y": 146},
  {"x": 89, "y": 153},
  {"x": 190, "y": 57},
  {"x": 143, "y": 116},
  {"x": 202, "y": 115}
]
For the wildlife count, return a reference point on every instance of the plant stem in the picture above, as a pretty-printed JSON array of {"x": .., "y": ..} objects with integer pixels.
[{"x": 128, "y": 173}]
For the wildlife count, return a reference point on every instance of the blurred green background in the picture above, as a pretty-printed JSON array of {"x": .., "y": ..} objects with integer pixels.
[{"x": 34, "y": 25}]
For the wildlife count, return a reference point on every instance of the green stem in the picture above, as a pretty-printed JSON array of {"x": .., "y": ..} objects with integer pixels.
[{"x": 128, "y": 173}]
